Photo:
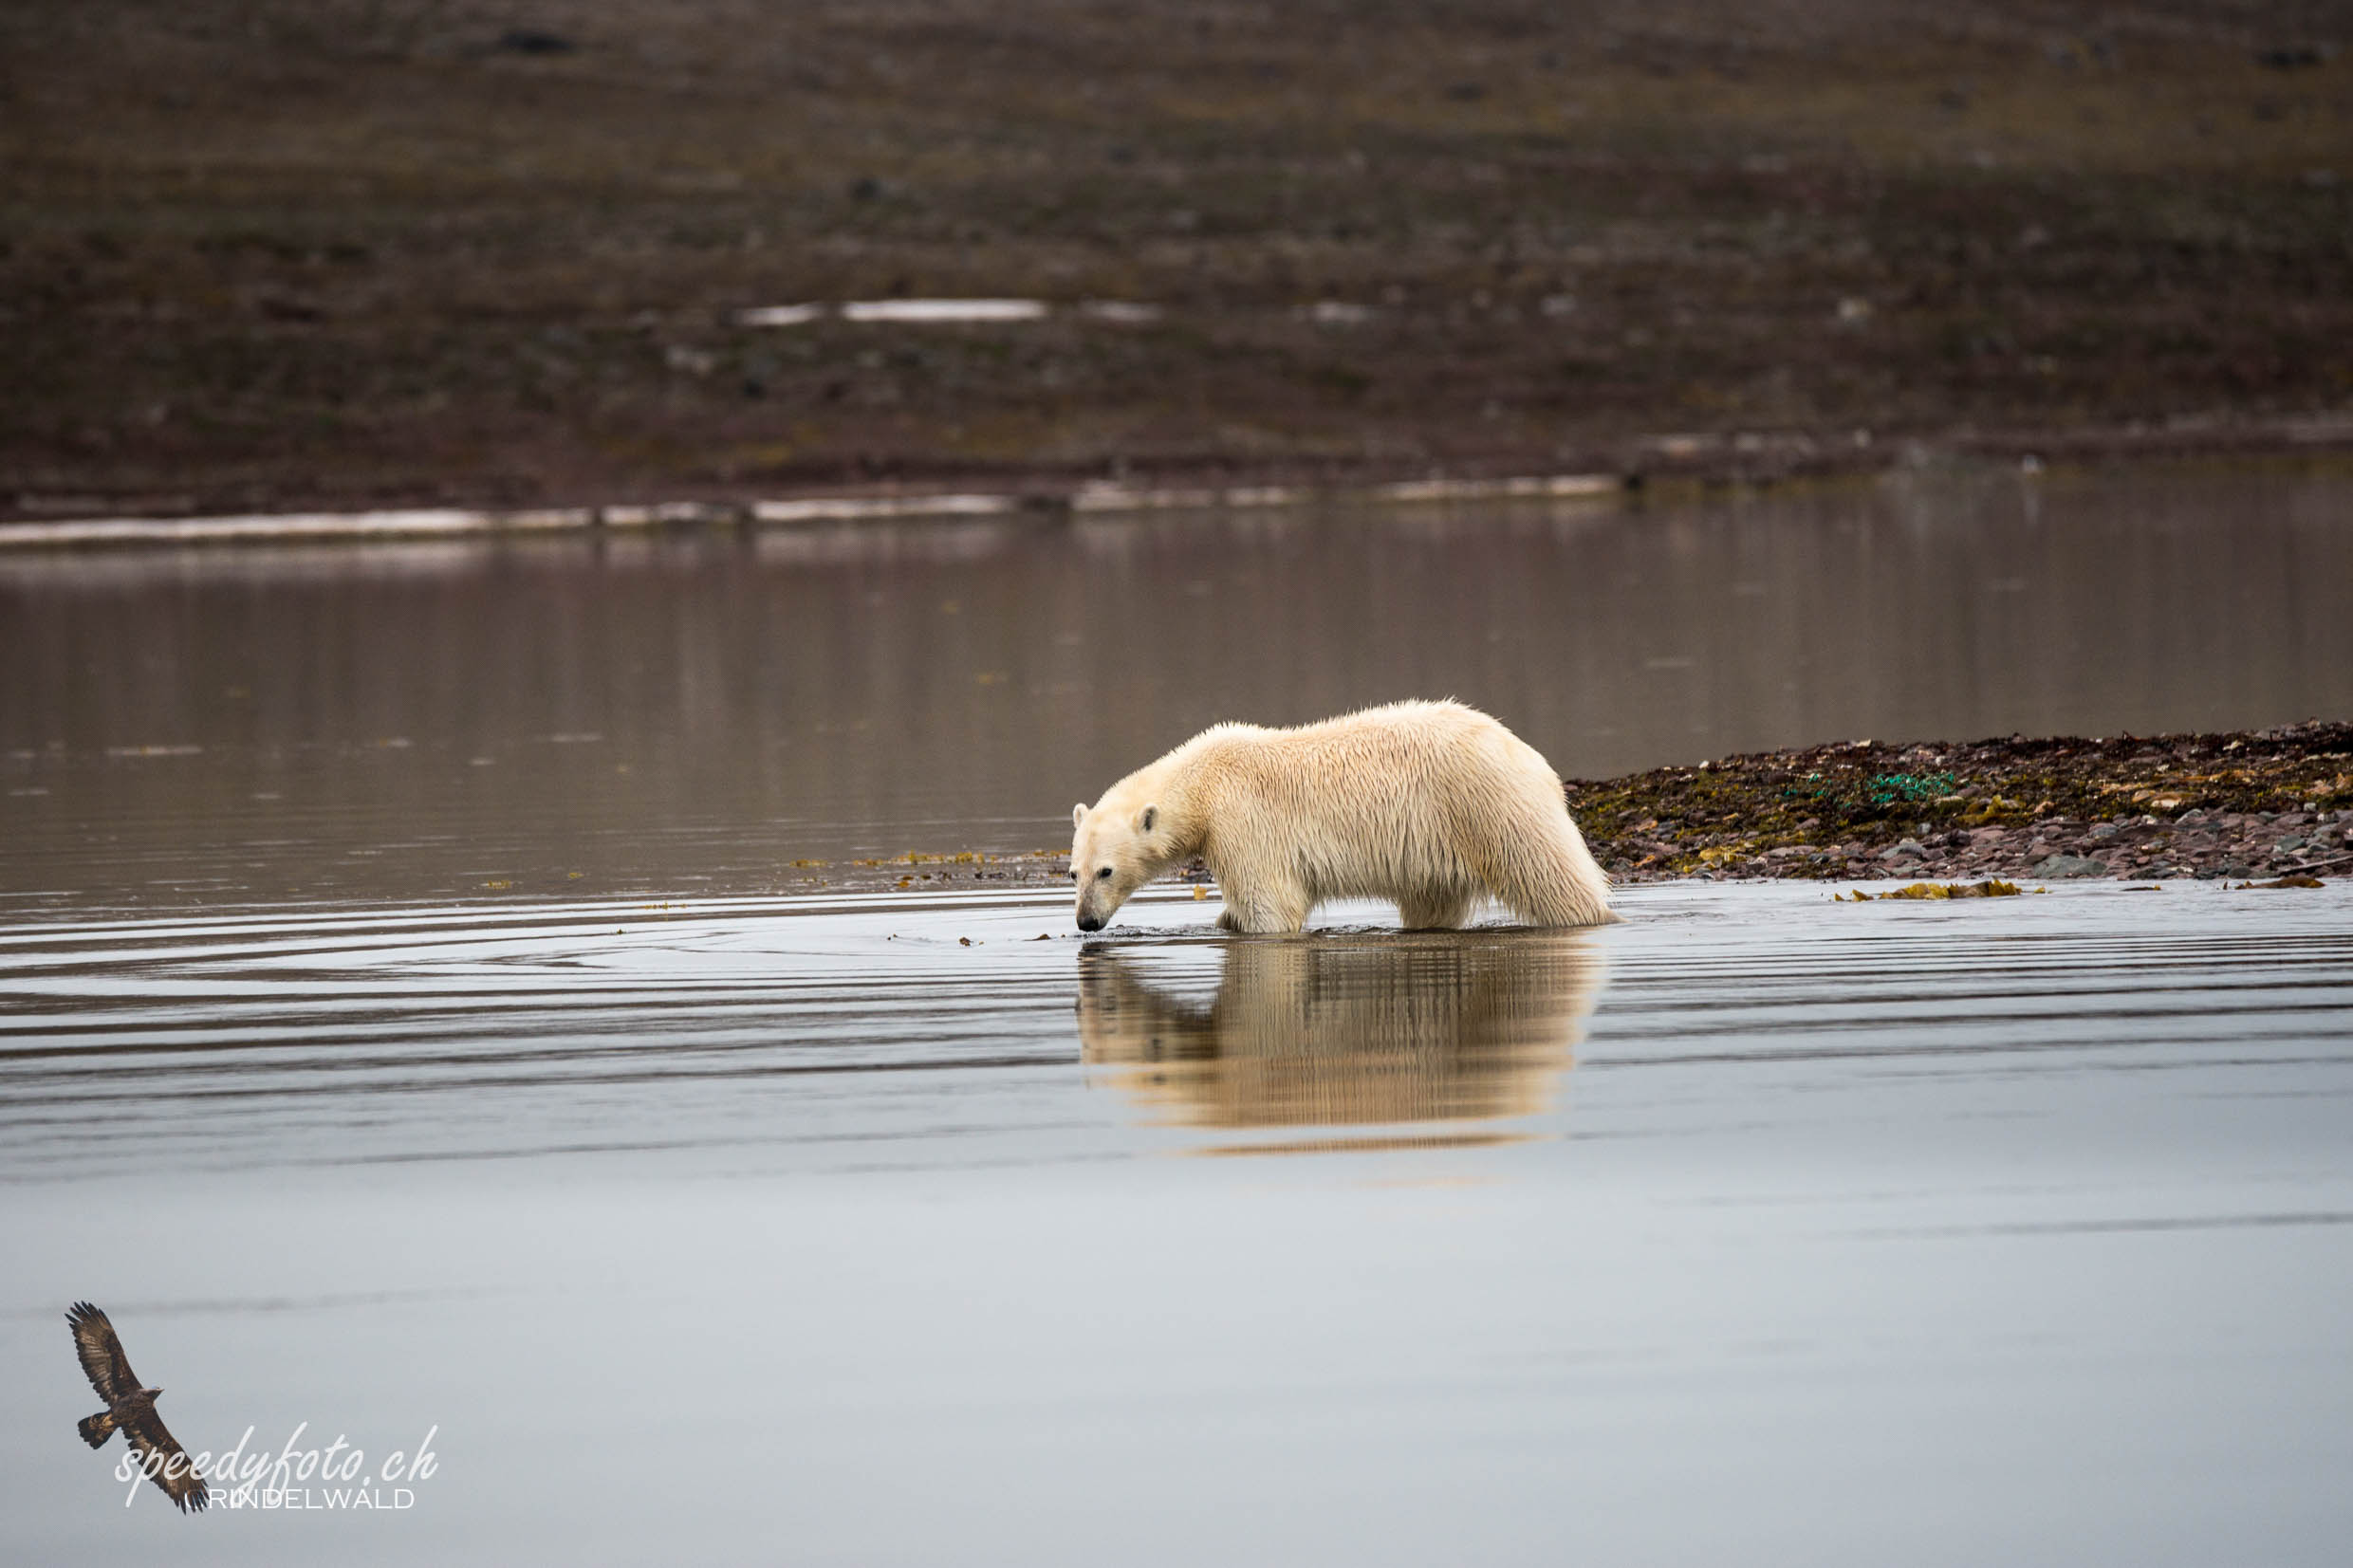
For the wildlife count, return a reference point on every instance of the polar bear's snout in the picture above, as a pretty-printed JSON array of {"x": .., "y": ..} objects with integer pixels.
[{"x": 1099, "y": 897}]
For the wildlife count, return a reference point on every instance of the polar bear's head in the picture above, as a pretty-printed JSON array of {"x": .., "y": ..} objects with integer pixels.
[{"x": 1120, "y": 842}]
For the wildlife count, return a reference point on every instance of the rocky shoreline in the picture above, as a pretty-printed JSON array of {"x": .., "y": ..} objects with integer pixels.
[
  {"x": 2242, "y": 805},
  {"x": 2266, "y": 803}
]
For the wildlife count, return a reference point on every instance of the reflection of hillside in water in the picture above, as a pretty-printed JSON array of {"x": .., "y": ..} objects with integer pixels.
[{"x": 1345, "y": 1031}]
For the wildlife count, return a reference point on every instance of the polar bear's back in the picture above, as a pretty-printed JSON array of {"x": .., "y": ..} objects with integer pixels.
[
  {"x": 1395, "y": 764},
  {"x": 1427, "y": 802}
]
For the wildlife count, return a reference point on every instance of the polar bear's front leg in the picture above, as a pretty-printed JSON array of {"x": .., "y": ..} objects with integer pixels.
[
  {"x": 1435, "y": 909},
  {"x": 1260, "y": 908}
]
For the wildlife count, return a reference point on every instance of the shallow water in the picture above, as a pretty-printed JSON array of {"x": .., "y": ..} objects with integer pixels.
[
  {"x": 406, "y": 1027},
  {"x": 692, "y": 714},
  {"x": 1757, "y": 1229}
]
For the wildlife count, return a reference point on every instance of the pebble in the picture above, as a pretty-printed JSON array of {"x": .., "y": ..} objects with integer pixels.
[{"x": 2058, "y": 866}]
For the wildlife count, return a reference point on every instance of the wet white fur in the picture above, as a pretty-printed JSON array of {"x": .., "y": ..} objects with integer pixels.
[{"x": 1427, "y": 804}]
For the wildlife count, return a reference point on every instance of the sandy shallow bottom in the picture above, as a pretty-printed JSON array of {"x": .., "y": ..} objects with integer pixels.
[{"x": 1759, "y": 1228}]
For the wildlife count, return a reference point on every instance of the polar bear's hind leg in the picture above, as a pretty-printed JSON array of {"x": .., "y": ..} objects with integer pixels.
[{"x": 1553, "y": 880}]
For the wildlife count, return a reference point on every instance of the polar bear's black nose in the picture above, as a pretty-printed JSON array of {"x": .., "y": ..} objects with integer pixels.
[{"x": 1087, "y": 922}]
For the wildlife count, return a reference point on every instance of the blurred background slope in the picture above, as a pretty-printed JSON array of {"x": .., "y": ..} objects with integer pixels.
[{"x": 352, "y": 250}]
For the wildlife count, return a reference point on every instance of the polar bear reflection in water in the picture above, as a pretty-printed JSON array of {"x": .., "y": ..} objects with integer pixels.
[{"x": 1344, "y": 1031}]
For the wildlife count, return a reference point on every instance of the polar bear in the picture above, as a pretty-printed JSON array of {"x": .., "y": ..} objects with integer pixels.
[{"x": 1427, "y": 803}]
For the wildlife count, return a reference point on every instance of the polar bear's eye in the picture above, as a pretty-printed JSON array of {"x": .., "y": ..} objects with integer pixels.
[{"x": 1105, "y": 871}]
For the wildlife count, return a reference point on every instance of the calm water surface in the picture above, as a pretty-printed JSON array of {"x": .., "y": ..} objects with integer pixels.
[
  {"x": 691, "y": 715},
  {"x": 402, "y": 1032},
  {"x": 1758, "y": 1229}
]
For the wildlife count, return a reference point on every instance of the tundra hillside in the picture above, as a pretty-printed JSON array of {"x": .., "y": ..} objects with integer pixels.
[{"x": 290, "y": 253}]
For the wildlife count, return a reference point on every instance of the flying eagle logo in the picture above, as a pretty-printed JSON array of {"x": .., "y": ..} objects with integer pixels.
[{"x": 129, "y": 1410}]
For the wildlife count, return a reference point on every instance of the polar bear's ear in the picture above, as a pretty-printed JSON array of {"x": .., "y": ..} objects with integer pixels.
[
  {"x": 1078, "y": 814},
  {"x": 1151, "y": 815}
]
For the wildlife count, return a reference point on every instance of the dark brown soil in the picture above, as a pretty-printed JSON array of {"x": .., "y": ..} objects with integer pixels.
[
  {"x": 302, "y": 252},
  {"x": 2271, "y": 802}
]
